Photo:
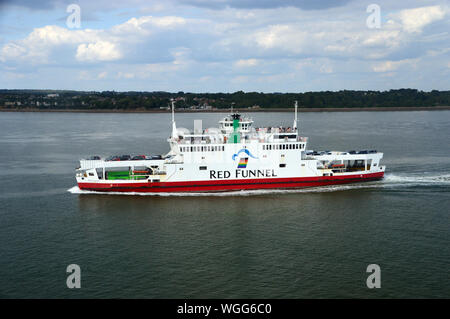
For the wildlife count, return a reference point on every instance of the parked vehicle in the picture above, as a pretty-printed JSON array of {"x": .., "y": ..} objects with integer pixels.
[
  {"x": 138, "y": 157},
  {"x": 113, "y": 158},
  {"x": 125, "y": 157}
]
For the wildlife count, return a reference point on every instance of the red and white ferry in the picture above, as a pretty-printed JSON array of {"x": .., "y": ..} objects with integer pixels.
[{"x": 235, "y": 156}]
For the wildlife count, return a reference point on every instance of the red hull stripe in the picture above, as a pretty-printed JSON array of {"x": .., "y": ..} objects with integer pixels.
[{"x": 224, "y": 185}]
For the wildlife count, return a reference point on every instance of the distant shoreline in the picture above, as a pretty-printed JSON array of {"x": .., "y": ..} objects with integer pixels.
[{"x": 245, "y": 110}]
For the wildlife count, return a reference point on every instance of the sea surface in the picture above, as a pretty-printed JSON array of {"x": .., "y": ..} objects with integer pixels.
[{"x": 310, "y": 243}]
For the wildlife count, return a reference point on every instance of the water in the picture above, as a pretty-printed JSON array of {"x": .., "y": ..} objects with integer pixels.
[{"x": 309, "y": 243}]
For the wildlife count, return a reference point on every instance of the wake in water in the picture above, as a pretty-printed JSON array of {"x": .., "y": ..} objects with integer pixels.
[{"x": 389, "y": 181}]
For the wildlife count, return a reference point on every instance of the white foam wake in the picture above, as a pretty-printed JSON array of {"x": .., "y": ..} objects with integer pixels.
[{"x": 422, "y": 179}]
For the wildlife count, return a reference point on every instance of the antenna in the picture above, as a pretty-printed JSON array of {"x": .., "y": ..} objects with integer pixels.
[
  {"x": 295, "y": 118},
  {"x": 232, "y": 103}
]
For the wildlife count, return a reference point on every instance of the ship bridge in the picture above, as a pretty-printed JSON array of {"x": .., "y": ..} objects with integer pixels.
[
  {"x": 237, "y": 128},
  {"x": 234, "y": 122}
]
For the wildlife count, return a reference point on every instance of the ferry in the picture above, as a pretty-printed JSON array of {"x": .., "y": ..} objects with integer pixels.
[{"x": 235, "y": 156}]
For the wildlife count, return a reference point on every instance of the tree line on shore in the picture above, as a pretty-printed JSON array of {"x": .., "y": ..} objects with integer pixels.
[{"x": 112, "y": 100}]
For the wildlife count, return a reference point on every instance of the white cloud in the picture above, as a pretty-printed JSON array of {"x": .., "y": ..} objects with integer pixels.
[
  {"x": 414, "y": 20},
  {"x": 147, "y": 24},
  {"x": 102, "y": 75},
  {"x": 125, "y": 75},
  {"x": 98, "y": 51},
  {"x": 88, "y": 45},
  {"x": 387, "y": 66},
  {"x": 37, "y": 46},
  {"x": 281, "y": 36},
  {"x": 385, "y": 37},
  {"x": 326, "y": 69},
  {"x": 243, "y": 63}
]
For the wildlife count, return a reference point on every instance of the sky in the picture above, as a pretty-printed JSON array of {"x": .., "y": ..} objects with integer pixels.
[{"x": 225, "y": 45}]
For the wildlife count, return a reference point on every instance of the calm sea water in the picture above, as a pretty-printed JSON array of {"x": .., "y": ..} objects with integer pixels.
[{"x": 312, "y": 243}]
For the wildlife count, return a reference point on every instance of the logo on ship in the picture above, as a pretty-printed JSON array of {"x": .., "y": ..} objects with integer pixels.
[{"x": 243, "y": 160}]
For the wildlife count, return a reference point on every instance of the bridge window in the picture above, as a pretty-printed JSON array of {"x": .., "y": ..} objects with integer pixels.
[{"x": 202, "y": 168}]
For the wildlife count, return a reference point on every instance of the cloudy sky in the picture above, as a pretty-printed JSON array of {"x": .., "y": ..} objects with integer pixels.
[{"x": 225, "y": 45}]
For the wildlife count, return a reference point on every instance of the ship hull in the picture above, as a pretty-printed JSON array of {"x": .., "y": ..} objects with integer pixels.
[{"x": 228, "y": 185}]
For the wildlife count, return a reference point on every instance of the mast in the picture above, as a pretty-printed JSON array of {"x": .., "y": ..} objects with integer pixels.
[
  {"x": 174, "y": 126},
  {"x": 295, "y": 118}
]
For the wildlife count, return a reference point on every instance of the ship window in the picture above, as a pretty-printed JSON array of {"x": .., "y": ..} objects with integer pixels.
[
  {"x": 91, "y": 174},
  {"x": 202, "y": 168},
  {"x": 223, "y": 148},
  {"x": 282, "y": 165},
  {"x": 181, "y": 168}
]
